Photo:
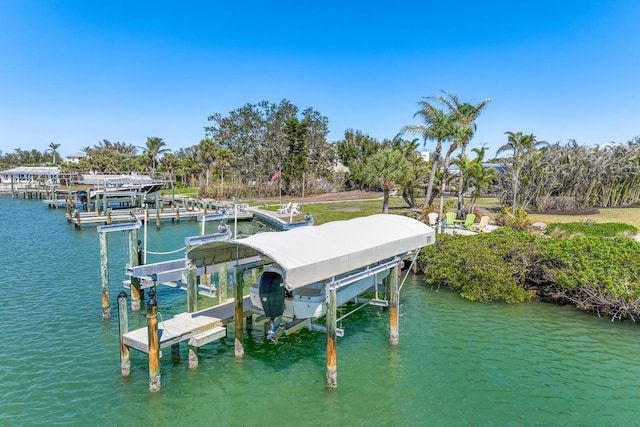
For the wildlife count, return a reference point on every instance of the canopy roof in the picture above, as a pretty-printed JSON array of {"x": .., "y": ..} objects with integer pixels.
[
  {"x": 32, "y": 171},
  {"x": 313, "y": 254}
]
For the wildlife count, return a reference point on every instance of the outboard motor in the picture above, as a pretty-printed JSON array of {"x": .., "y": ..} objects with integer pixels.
[{"x": 271, "y": 291}]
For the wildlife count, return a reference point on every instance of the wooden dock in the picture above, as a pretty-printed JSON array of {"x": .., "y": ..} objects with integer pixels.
[
  {"x": 198, "y": 328},
  {"x": 124, "y": 215}
]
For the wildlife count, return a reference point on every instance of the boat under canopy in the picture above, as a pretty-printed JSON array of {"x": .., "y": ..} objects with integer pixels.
[{"x": 314, "y": 254}]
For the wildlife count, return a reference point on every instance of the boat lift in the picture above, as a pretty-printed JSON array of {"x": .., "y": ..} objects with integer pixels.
[{"x": 314, "y": 270}]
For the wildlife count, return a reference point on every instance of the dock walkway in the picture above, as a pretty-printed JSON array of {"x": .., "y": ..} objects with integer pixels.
[
  {"x": 87, "y": 218},
  {"x": 198, "y": 328}
]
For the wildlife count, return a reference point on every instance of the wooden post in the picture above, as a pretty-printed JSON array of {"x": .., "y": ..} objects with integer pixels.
[
  {"x": 222, "y": 283},
  {"x": 394, "y": 295},
  {"x": 104, "y": 272},
  {"x": 78, "y": 219},
  {"x": 123, "y": 321},
  {"x": 238, "y": 319},
  {"x": 154, "y": 343},
  {"x": 192, "y": 288},
  {"x": 332, "y": 347},
  {"x": 157, "y": 211},
  {"x": 249, "y": 320},
  {"x": 134, "y": 260},
  {"x": 175, "y": 352}
]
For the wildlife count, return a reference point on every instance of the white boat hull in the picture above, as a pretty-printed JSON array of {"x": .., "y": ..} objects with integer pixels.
[{"x": 309, "y": 302}]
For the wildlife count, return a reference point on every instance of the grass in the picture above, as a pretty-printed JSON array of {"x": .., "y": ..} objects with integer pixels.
[
  {"x": 623, "y": 215},
  {"x": 340, "y": 210},
  {"x": 336, "y": 210}
]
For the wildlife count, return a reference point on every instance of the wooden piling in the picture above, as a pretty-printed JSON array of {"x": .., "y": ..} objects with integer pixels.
[
  {"x": 332, "y": 354},
  {"x": 192, "y": 301},
  {"x": 249, "y": 323},
  {"x": 192, "y": 288},
  {"x": 175, "y": 352},
  {"x": 134, "y": 260},
  {"x": 104, "y": 272},
  {"x": 157, "y": 210},
  {"x": 123, "y": 322},
  {"x": 154, "y": 343},
  {"x": 222, "y": 282},
  {"x": 238, "y": 319},
  {"x": 394, "y": 296}
]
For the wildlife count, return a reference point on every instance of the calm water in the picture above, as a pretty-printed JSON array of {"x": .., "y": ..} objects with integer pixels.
[{"x": 458, "y": 363}]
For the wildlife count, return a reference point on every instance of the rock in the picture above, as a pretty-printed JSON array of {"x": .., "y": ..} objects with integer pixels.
[{"x": 539, "y": 226}]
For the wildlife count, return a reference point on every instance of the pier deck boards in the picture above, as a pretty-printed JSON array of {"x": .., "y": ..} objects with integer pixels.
[
  {"x": 185, "y": 326},
  {"x": 125, "y": 216}
]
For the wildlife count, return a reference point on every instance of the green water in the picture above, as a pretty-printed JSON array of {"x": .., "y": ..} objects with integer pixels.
[{"x": 458, "y": 363}]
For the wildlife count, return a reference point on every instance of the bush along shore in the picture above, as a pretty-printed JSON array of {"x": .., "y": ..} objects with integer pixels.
[{"x": 595, "y": 267}]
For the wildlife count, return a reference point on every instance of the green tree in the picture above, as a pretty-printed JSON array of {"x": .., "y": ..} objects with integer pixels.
[
  {"x": 296, "y": 161},
  {"x": 153, "y": 149},
  {"x": 479, "y": 176},
  {"x": 257, "y": 138},
  {"x": 384, "y": 169},
  {"x": 519, "y": 145},
  {"x": 464, "y": 115},
  {"x": 437, "y": 125},
  {"x": 354, "y": 152},
  {"x": 54, "y": 150}
]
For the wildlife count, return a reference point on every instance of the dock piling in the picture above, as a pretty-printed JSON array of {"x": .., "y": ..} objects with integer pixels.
[
  {"x": 394, "y": 295},
  {"x": 238, "y": 314},
  {"x": 123, "y": 322},
  {"x": 332, "y": 355},
  {"x": 154, "y": 343},
  {"x": 104, "y": 273},
  {"x": 222, "y": 282},
  {"x": 135, "y": 260},
  {"x": 192, "y": 288}
]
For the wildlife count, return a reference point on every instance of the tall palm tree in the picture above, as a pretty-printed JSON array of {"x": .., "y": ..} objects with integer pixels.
[
  {"x": 518, "y": 144},
  {"x": 54, "y": 149},
  {"x": 153, "y": 148},
  {"x": 480, "y": 177},
  {"x": 464, "y": 115},
  {"x": 437, "y": 126}
]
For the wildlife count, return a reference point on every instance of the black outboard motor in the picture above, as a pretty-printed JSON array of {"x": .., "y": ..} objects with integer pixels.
[{"x": 271, "y": 291}]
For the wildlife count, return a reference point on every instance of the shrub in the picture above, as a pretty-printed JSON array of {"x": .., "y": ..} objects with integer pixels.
[
  {"x": 485, "y": 267},
  {"x": 591, "y": 228},
  {"x": 520, "y": 221}
]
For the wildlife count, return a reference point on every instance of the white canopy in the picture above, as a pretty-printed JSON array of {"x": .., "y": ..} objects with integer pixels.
[{"x": 313, "y": 254}]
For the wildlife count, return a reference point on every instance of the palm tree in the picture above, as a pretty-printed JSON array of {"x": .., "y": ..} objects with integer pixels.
[
  {"x": 519, "y": 144},
  {"x": 464, "y": 114},
  {"x": 54, "y": 147},
  {"x": 385, "y": 168},
  {"x": 154, "y": 149},
  {"x": 414, "y": 173},
  {"x": 207, "y": 156},
  {"x": 437, "y": 126},
  {"x": 480, "y": 177}
]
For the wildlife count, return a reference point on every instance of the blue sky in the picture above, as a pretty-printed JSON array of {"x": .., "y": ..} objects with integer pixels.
[{"x": 77, "y": 72}]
